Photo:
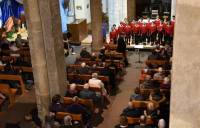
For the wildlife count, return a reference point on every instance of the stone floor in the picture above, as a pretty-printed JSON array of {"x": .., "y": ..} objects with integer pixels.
[{"x": 110, "y": 116}]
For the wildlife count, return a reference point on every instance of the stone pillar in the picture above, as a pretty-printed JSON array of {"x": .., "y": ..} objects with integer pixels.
[
  {"x": 185, "y": 101},
  {"x": 173, "y": 8},
  {"x": 54, "y": 48},
  {"x": 46, "y": 47},
  {"x": 131, "y": 9},
  {"x": 96, "y": 18},
  {"x": 38, "y": 58}
]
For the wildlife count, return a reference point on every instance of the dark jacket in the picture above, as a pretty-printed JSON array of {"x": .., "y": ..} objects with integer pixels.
[
  {"x": 121, "y": 46},
  {"x": 132, "y": 112}
]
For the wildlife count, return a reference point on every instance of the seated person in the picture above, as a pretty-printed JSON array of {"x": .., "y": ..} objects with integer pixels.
[
  {"x": 137, "y": 96},
  {"x": 56, "y": 105},
  {"x": 166, "y": 83},
  {"x": 67, "y": 122},
  {"x": 151, "y": 111},
  {"x": 71, "y": 92},
  {"x": 161, "y": 123},
  {"x": 84, "y": 53},
  {"x": 159, "y": 75},
  {"x": 83, "y": 69},
  {"x": 2, "y": 96},
  {"x": 93, "y": 56},
  {"x": 153, "y": 56},
  {"x": 13, "y": 46},
  {"x": 148, "y": 83},
  {"x": 76, "y": 108},
  {"x": 142, "y": 123},
  {"x": 102, "y": 55},
  {"x": 157, "y": 97},
  {"x": 144, "y": 72},
  {"x": 95, "y": 82},
  {"x": 93, "y": 68},
  {"x": 123, "y": 122},
  {"x": 130, "y": 111},
  {"x": 87, "y": 94}
]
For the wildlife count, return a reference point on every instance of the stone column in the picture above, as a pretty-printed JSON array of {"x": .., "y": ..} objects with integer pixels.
[
  {"x": 185, "y": 96},
  {"x": 54, "y": 48},
  {"x": 131, "y": 9},
  {"x": 173, "y": 8},
  {"x": 47, "y": 53},
  {"x": 38, "y": 58},
  {"x": 96, "y": 19}
]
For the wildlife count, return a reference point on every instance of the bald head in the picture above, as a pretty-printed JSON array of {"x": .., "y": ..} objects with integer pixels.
[
  {"x": 83, "y": 64},
  {"x": 161, "y": 123},
  {"x": 130, "y": 105},
  {"x": 86, "y": 86},
  {"x": 94, "y": 75},
  {"x": 73, "y": 86}
]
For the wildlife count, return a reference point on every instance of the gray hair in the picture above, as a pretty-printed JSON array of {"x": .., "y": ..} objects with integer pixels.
[
  {"x": 94, "y": 75},
  {"x": 67, "y": 120}
]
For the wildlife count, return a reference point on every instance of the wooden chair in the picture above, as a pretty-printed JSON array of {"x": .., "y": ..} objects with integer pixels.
[
  {"x": 14, "y": 78},
  {"x": 10, "y": 92}
]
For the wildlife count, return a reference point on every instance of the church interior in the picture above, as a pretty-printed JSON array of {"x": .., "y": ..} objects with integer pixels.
[{"x": 99, "y": 64}]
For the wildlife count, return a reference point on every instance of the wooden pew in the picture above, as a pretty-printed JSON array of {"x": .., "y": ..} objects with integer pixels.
[
  {"x": 10, "y": 92},
  {"x": 14, "y": 78},
  {"x": 85, "y": 78},
  {"x": 23, "y": 68},
  {"x": 142, "y": 104},
  {"x": 134, "y": 121},
  {"x": 75, "y": 117},
  {"x": 118, "y": 63},
  {"x": 85, "y": 102},
  {"x": 156, "y": 62},
  {"x": 80, "y": 87}
]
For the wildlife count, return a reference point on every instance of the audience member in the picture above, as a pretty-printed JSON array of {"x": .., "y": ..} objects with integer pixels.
[
  {"x": 71, "y": 92},
  {"x": 76, "y": 108},
  {"x": 159, "y": 75},
  {"x": 67, "y": 122},
  {"x": 84, "y": 53},
  {"x": 13, "y": 47},
  {"x": 123, "y": 122},
  {"x": 131, "y": 111},
  {"x": 83, "y": 69},
  {"x": 87, "y": 94},
  {"x": 161, "y": 123},
  {"x": 142, "y": 123},
  {"x": 93, "y": 56},
  {"x": 56, "y": 105},
  {"x": 151, "y": 111},
  {"x": 95, "y": 82},
  {"x": 148, "y": 83},
  {"x": 137, "y": 96},
  {"x": 157, "y": 97},
  {"x": 166, "y": 83}
]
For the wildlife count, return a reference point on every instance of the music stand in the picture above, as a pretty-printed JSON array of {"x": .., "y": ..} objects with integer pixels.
[{"x": 137, "y": 48}]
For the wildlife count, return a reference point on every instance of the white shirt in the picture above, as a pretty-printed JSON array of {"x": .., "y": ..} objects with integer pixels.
[{"x": 97, "y": 83}]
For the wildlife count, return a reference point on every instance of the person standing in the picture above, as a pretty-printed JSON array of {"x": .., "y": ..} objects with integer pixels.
[
  {"x": 143, "y": 33},
  {"x": 153, "y": 33},
  {"x": 160, "y": 33}
]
